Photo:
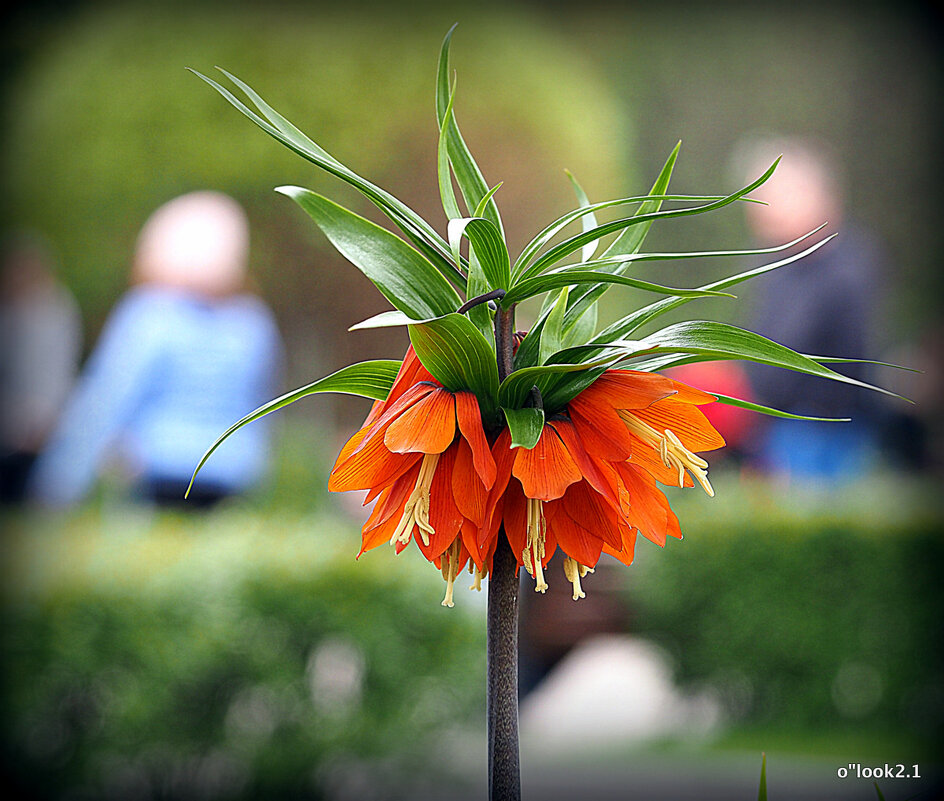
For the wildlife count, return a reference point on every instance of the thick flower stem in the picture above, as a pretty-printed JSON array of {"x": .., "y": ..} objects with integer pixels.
[
  {"x": 504, "y": 779},
  {"x": 505, "y": 341}
]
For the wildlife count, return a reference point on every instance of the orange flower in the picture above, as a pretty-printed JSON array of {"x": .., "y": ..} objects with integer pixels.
[
  {"x": 423, "y": 456},
  {"x": 589, "y": 484}
]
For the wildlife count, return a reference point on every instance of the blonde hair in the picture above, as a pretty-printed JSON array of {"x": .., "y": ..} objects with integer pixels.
[{"x": 198, "y": 241}]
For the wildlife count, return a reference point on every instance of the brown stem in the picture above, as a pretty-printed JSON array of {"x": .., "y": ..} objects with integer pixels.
[
  {"x": 505, "y": 341},
  {"x": 504, "y": 778}
]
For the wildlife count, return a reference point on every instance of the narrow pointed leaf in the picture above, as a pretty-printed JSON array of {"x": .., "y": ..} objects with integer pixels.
[
  {"x": 525, "y": 426},
  {"x": 521, "y": 268},
  {"x": 756, "y": 407},
  {"x": 489, "y": 247},
  {"x": 588, "y": 220},
  {"x": 446, "y": 192},
  {"x": 571, "y": 277},
  {"x": 459, "y": 357},
  {"x": 403, "y": 275},
  {"x": 631, "y": 239},
  {"x": 631, "y": 322},
  {"x": 371, "y": 379},
  {"x": 574, "y": 243},
  {"x": 708, "y": 338},
  {"x": 468, "y": 175},
  {"x": 420, "y": 232},
  {"x": 551, "y": 331}
]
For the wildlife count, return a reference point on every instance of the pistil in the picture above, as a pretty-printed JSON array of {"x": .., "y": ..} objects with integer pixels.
[{"x": 574, "y": 571}]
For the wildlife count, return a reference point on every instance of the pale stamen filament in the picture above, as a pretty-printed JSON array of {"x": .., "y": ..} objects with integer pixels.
[
  {"x": 671, "y": 450},
  {"x": 574, "y": 571},
  {"x": 416, "y": 510},
  {"x": 477, "y": 576},
  {"x": 534, "y": 549},
  {"x": 450, "y": 569}
]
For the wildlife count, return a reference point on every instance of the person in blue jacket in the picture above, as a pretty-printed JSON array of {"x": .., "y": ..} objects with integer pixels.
[{"x": 186, "y": 352}]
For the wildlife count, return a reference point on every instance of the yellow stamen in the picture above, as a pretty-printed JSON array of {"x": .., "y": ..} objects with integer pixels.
[
  {"x": 450, "y": 569},
  {"x": 673, "y": 453},
  {"x": 574, "y": 571},
  {"x": 534, "y": 550},
  {"x": 416, "y": 510}
]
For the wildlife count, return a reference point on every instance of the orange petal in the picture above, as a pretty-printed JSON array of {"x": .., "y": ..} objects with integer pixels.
[
  {"x": 504, "y": 460},
  {"x": 411, "y": 372},
  {"x": 589, "y": 509},
  {"x": 470, "y": 544},
  {"x": 379, "y": 427},
  {"x": 629, "y": 389},
  {"x": 428, "y": 426},
  {"x": 686, "y": 421},
  {"x": 373, "y": 467},
  {"x": 467, "y": 488},
  {"x": 469, "y": 418},
  {"x": 628, "y": 551},
  {"x": 444, "y": 515},
  {"x": 601, "y": 430},
  {"x": 515, "y": 519},
  {"x": 688, "y": 394},
  {"x": 547, "y": 469},
  {"x": 649, "y": 460},
  {"x": 574, "y": 540},
  {"x": 598, "y": 473},
  {"x": 649, "y": 509}
]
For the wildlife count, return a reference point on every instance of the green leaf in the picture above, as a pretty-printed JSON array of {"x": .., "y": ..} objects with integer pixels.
[
  {"x": 588, "y": 220},
  {"x": 582, "y": 329},
  {"x": 371, "y": 379},
  {"x": 403, "y": 275},
  {"x": 720, "y": 340},
  {"x": 417, "y": 230},
  {"x": 468, "y": 176},
  {"x": 631, "y": 322},
  {"x": 573, "y": 275},
  {"x": 630, "y": 241},
  {"x": 525, "y": 426},
  {"x": 459, "y": 357},
  {"x": 551, "y": 335},
  {"x": 568, "y": 246},
  {"x": 480, "y": 315},
  {"x": 490, "y": 248},
  {"x": 878, "y": 792},
  {"x": 756, "y": 407},
  {"x": 483, "y": 203},
  {"x": 514, "y": 390},
  {"x": 446, "y": 192},
  {"x": 521, "y": 270},
  {"x": 387, "y": 319}
]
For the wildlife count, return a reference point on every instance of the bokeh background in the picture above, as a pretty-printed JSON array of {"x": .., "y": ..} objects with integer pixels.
[{"x": 241, "y": 653}]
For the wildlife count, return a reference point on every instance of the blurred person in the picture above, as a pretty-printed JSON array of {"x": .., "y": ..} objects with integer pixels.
[
  {"x": 185, "y": 353},
  {"x": 40, "y": 343},
  {"x": 826, "y": 304}
]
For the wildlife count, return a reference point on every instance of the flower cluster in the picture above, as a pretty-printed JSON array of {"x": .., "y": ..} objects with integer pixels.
[{"x": 436, "y": 476}]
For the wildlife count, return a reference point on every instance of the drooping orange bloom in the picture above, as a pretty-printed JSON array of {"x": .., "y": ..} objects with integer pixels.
[
  {"x": 589, "y": 485},
  {"x": 423, "y": 457}
]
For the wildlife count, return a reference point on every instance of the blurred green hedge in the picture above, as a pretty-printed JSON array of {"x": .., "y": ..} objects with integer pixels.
[
  {"x": 226, "y": 656},
  {"x": 244, "y": 654},
  {"x": 805, "y": 609}
]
